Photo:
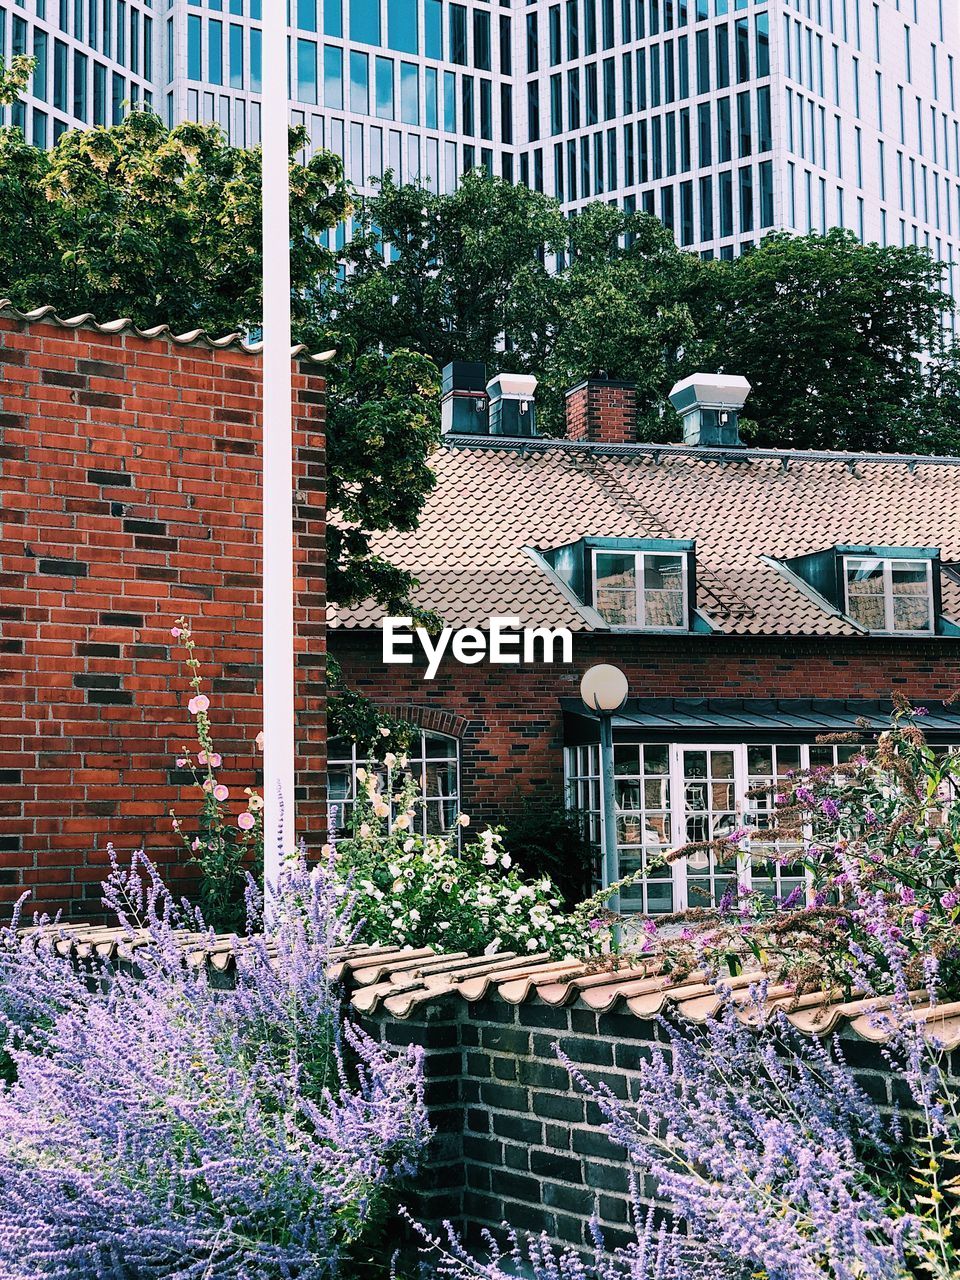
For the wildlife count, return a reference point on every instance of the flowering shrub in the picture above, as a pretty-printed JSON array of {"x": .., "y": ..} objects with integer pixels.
[
  {"x": 159, "y": 1128},
  {"x": 224, "y": 848},
  {"x": 885, "y": 826},
  {"x": 422, "y": 890}
]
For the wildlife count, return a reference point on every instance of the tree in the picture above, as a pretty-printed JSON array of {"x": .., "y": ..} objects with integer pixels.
[
  {"x": 832, "y": 335},
  {"x": 163, "y": 225},
  {"x": 843, "y": 342}
]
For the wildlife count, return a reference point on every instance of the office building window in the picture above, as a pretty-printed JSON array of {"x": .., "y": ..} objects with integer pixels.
[
  {"x": 384, "y": 87},
  {"x": 360, "y": 82},
  {"x": 402, "y": 33},
  {"x": 432, "y": 29},
  {"x": 409, "y": 93},
  {"x": 365, "y": 22},
  {"x": 215, "y": 52},
  {"x": 332, "y": 73},
  {"x": 458, "y": 34}
]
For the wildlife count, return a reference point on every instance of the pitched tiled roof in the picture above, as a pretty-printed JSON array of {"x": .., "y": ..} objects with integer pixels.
[
  {"x": 194, "y": 338},
  {"x": 401, "y": 981},
  {"x": 747, "y": 510}
]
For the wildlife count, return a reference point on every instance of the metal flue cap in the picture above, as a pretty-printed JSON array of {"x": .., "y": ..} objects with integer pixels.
[{"x": 710, "y": 391}]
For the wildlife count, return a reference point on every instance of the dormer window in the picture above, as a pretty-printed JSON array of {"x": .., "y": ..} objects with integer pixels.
[
  {"x": 890, "y": 594},
  {"x": 641, "y": 589}
]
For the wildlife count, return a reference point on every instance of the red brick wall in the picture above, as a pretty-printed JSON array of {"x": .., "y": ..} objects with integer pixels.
[
  {"x": 509, "y": 719},
  {"x": 130, "y": 494},
  {"x": 602, "y": 412}
]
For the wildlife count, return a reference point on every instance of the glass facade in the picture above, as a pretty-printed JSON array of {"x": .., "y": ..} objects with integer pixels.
[{"x": 725, "y": 118}]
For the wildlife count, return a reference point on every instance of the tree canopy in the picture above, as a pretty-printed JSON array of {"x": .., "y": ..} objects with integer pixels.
[{"x": 843, "y": 343}]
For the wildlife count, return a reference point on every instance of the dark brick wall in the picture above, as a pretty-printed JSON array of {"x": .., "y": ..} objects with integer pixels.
[
  {"x": 509, "y": 720},
  {"x": 517, "y": 1142},
  {"x": 130, "y": 494}
]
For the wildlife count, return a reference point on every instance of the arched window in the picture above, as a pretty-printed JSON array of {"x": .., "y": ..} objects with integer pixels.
[{"x": 433, "y": 760}]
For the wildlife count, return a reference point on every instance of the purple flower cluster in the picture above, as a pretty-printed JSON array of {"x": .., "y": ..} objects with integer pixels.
[
  {"x": 159, "y": 1126},
  {"x": 751, "y": 1135}
]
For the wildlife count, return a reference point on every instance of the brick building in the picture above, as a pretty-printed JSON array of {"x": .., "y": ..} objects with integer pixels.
[
  {"x": 755, "y": 599},
  {"x": 129, "y": 495}
]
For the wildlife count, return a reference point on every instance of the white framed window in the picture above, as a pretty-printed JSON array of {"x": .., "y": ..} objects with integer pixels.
[
  {"x": 673, "y": 794},
  {"x": 641, "y": 589},
  {"x": 433, "y": 760},
  {"x": 890, "y": 594}
]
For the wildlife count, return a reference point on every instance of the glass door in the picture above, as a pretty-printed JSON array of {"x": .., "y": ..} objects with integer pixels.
[{"x": 710, "y": 784}]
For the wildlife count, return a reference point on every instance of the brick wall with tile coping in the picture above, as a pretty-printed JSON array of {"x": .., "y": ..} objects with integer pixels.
[
  {"x": 516, "y": 1141},
  {"x": 130, "y": 494},
  {"x": 512, "y": 735}
]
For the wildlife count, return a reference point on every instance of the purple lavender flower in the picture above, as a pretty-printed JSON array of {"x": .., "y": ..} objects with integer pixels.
[
  {"x": 160, "y": 1126},
  {"x": 830, "y": 808}
]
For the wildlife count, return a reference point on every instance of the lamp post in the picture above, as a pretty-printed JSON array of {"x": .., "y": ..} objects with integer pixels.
[
  {"x": 278, "y": 685},
  {"x": 604, "y": 689}
]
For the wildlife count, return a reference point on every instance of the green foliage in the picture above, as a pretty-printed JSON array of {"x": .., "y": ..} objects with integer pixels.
[
  {"x": 416, "y": 890},
  {"x": 547, "y": 838},
  {"x": 351, "y": 715},
  {"x": 830, "y": 333},
  {"x": 163, "y": 226},
  {"x": 14, "y": 78},
  {"x": 833, "y": 335}
]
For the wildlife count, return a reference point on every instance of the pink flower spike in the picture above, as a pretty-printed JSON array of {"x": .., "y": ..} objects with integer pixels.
[
  {"x": 216, "y": 760},
  {"x": 246, "y": 821},
  {"x": 182, "y": 762},
  {"x": 202, "y": 757},
  {"x": 200, "y": 703},
  {"x": 221, "y": 792},
  {"x": 208, "y": 784},
  {"x": 175, "y": 632}
]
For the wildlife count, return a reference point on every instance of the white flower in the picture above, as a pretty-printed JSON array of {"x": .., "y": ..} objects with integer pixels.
[
  {"x": 492, "y": 947},
  {"x": 408, "y": 844},
  {"x": 443, "y": 924},
  {"x": 505, "y": 860},
  {"x": 532, "y": 944},
  {"x": 361, "y": 775},
  {"x": 389, "y": 759},
  {"x": 415, "y": 915},
  {"x": 381, "y": 810},
  {"x": 402, "y": 822},
  {"x": 383, "y": 731},
  {"x": 463, "y": 820},
  {"x": 489, "y": 858},
  {"x": 365, "y": 830}
]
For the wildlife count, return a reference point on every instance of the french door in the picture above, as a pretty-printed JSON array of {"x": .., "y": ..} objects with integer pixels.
[{"x": 709, "y": 785}]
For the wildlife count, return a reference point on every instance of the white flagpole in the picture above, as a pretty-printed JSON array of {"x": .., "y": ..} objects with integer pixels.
[{"x": 278, "y": 657}]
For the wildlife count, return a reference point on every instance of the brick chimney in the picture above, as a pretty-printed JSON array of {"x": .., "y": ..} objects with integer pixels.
[{"x": 603, "y": 411}]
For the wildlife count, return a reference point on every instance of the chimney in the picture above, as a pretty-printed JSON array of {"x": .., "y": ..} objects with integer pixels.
[
  {"x": 512, "y": 408},
  {"x": 602, "y": 410},
  {"x": 464, "y": 406},
  {"x": 709, "y": 405}
]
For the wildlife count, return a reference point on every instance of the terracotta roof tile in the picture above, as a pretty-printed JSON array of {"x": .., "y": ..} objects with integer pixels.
[
  {"x": 401, "y": 981},
  {"x": 195, "y": 338},
  {"x": 747, "y": 510}
]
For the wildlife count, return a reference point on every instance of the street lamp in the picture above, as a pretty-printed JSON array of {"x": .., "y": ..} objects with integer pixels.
[
  {"x": 278, "y": 684},
  {"x": 604, "y": 689}
]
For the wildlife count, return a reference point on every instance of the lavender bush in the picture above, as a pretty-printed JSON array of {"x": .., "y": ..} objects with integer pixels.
[
  {"x": 759, "y": 1142},
  {"x": 158, "y": 1127}
]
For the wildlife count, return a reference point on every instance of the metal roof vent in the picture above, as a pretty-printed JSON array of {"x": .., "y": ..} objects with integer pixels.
[
  {"x": 709, "y": 405},
  {"x": 512, "y": 408}
]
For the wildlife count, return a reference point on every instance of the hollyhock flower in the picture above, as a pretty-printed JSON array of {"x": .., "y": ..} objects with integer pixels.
[
  {"x": 246, "y": 821},
  {"x": 259, "y": 740},
  {"x": 208, "y": 784},
  {"x": 198, "y": 704},
  {"x": 463, "y": 820},
  {"x": 175, "y": 632},
  {"x": 255, "y": 803},
  {"x": 383, "y": 731},
  {"x": 221, "y": 792},
  {"x": 182, "y": 762},
  {"x": 215, "y": 760},
  {"x": 201, "y": 757}
]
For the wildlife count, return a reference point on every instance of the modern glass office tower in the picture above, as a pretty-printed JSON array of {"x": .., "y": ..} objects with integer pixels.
[{"x": 723, "y": 117}]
